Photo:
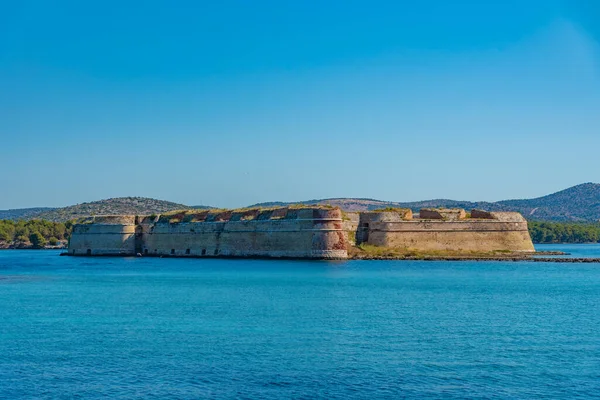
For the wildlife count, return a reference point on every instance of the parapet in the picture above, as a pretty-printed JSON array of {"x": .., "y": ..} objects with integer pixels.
[
  {"x": 250, "y": 214},
  {"x": 481, "y": 214},
  {"x": 108, "y": 220},
  {"x": 502, "y": 216},
  {"x": 508, "y": 216},
  {"x": 387, "y": 215},
  {"x": 446, "y": 214}
]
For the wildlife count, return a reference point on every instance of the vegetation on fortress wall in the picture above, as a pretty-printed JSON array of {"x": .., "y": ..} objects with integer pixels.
[
  {"x": 35, "y": 232},
  {"x": 370, "y": 251},
  {"x": 564, "y": 232},
  {"x": 237, "y": 214}
]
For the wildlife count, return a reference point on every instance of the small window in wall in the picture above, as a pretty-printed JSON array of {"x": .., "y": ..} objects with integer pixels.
[
  {"x": 89, "y": 252},
  {"x": 187, "y": 251},
  {"x": 172, "y": 251},
  {"x": 203, "y": 252},
  {"x": 365, "y": 225}
]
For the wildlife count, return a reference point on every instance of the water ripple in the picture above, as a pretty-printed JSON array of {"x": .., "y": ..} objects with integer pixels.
[{"x": 166, "y": 329}]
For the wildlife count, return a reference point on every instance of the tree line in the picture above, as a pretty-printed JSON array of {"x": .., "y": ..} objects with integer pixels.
[
  {"x": 37, "y": 233},
  {"x": 564, "y": 232}
]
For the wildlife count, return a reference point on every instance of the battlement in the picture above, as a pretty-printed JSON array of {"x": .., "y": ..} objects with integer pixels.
[
  {"x": 298, "y": 232},
  {"x": 452, "y": 214}
]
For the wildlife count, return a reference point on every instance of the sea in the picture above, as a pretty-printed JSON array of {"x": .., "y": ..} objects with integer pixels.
[{"x": 152, "y": 328}]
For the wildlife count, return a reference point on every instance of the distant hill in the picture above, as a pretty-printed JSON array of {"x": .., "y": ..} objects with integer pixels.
[
  {"x": 579, "y": 203},
  {"x": 354, "y": 204},
  {"x": 116, "y": 206},
  {"x": 23, "y": 213}
]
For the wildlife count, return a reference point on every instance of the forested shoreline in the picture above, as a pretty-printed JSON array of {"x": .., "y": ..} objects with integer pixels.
[
  {"x": 564, "y": 232},
  {"x": 34, "y": 233}
]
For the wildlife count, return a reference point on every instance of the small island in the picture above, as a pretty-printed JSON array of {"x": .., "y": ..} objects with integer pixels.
[{"x": 306, "y": 232}]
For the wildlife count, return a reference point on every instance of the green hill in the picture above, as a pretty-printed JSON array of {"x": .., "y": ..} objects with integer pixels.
[
  {"x": 116, "y": 206},
  {"x": 22, "y": 213},
  {"x": 580, "y": 203}
]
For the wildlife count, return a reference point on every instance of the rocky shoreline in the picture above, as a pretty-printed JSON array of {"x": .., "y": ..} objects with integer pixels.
[
  {"x": 542, "y": 256},
  {"x": 513, "y": 259},
  {"x": 27, "y": 245},
  {"x": 30, "y": 247}
]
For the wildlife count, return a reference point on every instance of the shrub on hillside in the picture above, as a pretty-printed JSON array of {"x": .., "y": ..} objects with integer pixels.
[{"x": 37, "y": 240}]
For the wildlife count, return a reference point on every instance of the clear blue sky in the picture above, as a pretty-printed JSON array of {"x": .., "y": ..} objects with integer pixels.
[{"x": 229, "y": 103}]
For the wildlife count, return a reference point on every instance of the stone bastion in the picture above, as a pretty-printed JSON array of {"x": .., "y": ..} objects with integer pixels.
[
  {"x": 291, "y": 232},
  {"x": 445, "y": 230},
  {"x": 298, "y": 232}
]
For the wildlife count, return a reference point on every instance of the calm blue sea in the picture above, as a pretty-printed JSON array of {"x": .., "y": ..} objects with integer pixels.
[{"x": 184, "y": 329}]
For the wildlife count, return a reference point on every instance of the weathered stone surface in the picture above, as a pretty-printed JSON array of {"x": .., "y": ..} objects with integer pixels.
[
  {"x": 105, "y": 237},
  {"x": 297, "y": 233},
  {"x": 396, "y": 213},
  {"x": 109, "y": 220},
  {"x": 309, "y": 232},
  {"x": 505, "y": 232},
  {"x": 446, "y": 214},
  {"x": 480, "y": 214},
  {"x": 509, "y": 216},
  {"x": 350, "y": 225}
]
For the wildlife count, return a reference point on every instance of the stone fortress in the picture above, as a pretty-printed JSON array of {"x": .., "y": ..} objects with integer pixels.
[
  {"x": 308, "y": 232},
  {"x": 443, "y": 230}
]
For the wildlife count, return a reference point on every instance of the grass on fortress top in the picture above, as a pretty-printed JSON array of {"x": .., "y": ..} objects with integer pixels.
[
  {"x": 240, "y": 214},
  {"x": 213, "y": 215},
  {"x": 399, "y": 210},
  {"x": 369, "y": 251}
]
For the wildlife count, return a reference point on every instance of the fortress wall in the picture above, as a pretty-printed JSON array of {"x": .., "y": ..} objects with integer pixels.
[
  {"x": 314, "y": 236},
  {"x": 102, "y": 239},
  {"x": 109, "y": 220},
  {"x": 350, "y": 226},
  {"x": 452, "y": 214},
  {"x": 294, "y": 233},
  {"x": 476, "y": 241},
  {"x": 508, "y": 232},
  {"x": 251, "y": 238},
  {"x": 297, "y": 233}
]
